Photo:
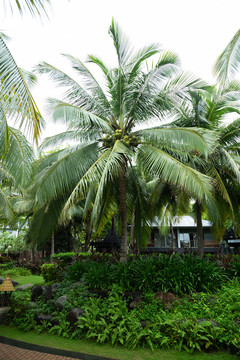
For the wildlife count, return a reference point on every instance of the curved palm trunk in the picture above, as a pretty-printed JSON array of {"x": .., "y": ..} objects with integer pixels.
[
  {"x": 88, "y": 231},
  {"x": 132, "y": 233},
  {"x": 52, "y": 248},
  {"x": 172, "y": 236},
  {"x": 199, "y": 229},
  {"x": 123, "y": 215}
]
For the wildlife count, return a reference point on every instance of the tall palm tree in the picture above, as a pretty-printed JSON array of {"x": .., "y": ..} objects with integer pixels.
[
  {"x": 209, "y": 110},
  {"x": 103, "y": 122}
]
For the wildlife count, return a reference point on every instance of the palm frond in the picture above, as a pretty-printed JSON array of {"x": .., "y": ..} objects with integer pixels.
[
  {"x": 121, "y": 43},
  {"x": 17, "y": 98},
  {"x": 59, "y": 173},
  {"x": 161, "y": 164},
  {"x": 76, "y": 117},
  {"x": 18, "y": 159},
  {"x": 227, "y": 63},
  {"x": 5, "y": 208},
  {"x": 35, "y": 7},
  {"x": 4, "y": 132},
  {"x": 183, "y": 138},
  {"x": 90, "y": 82}
]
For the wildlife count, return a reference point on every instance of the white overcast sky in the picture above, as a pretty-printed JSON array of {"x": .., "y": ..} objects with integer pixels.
[{"x": 197, "y": 30}]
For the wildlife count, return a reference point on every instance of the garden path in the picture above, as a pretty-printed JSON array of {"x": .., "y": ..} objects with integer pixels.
[{"x": 11, "y": 349}]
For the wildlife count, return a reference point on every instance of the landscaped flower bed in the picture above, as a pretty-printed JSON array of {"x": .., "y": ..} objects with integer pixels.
[{"x": 191, "y": 305}]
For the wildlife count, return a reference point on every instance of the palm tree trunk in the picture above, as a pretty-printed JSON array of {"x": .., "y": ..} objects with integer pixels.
[
  {"x": 132, "y": 232},
  {"x": 199, "y": 229},
  {"x": 88, "y": 231},
  {"x": 172, "y": 236},
  {"x": 52, "y": 248},
  {"x": 123, "y": 215},
  {"x": 112, "y": 233}
]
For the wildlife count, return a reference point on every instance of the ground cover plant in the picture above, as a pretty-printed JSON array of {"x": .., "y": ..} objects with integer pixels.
[
  {"x": 107, "y": 350},
  {"x": 177, "y": 274},
  {"x": 196, "y": 310}
]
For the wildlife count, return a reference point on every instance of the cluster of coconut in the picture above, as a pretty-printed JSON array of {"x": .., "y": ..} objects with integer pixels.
[{"x": 129, "y": 141}]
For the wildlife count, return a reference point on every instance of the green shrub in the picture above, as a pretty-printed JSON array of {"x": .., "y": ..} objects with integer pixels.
[
  {"x": 175, "y": 273},
  {"x": 5, "y": 259},
  {"x": 49, "y": 272},
  {"x": 65, "y": 258},
  {"x": 77, "y": 270},
  {"x": 7, "y": 265},
  {"x": 15, "y": 272}
]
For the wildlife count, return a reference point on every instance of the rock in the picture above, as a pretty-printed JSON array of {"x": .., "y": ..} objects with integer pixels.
[
  {"x": 48, "y": 318},
  {"x": 15, "y": 283},
  {"x": 60, "y": 302},
  {"x": 211, "y": 321},
  {"x": 100, "y": 293},
  {"x": 3, "y": 313},
  {"x": 166, "y": 298},
  {"x": 73, "y": 315},
  {"x": 137, "y": 301},
  {"x": 134, "y": 298},
  {"x": 77, "y": 283},
  {"x": 143, "y": 323},
  {"x": 37, "y": 290},
  {"x": 24, "y": 287},
  {"x": 31, "y": 304},
  {"x": 50, "y": 291}
]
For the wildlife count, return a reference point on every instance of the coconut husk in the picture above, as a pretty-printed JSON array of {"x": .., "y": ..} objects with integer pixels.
[{"x": 7, "y": 285}]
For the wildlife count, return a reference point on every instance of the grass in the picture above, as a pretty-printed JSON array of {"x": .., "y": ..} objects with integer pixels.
[
  {"x": 108, "y": 350},
  {"x": 29, "y": 279}
]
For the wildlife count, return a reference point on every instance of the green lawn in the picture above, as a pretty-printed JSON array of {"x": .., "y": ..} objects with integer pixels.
[
  {"x": 29, "y": 279},
  {"x": 108, "y": 350}
]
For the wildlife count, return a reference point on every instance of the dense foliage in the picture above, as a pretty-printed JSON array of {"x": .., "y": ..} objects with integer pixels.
[
  {"x": 177, "y": 274},
  {"x": 197, "y": 322}
]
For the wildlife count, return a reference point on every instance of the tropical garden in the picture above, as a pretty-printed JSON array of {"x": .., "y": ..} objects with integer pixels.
[{"x": 146, "y": 141}]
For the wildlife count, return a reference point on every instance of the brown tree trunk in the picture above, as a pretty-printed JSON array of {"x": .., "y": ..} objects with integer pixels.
[
  {"x": 199, "y": 229},
  {"x": 172, "y": 236},
  {"x": 132, "y": 232},
  {"x": 88, "y": 231},
  {"x": 112, "y": 233},
  {"x": 123, "y": 215},
  {"x": 52, "y": 248}
]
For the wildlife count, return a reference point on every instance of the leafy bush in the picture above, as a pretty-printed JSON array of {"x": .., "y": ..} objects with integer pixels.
[
  {"x": 10, "y": 243},
  {"x": 7, "y": 265},
  {"x": 175, "y": 273},
  {"x": 15, "y": 272},
  {"x": 5, "y": 259},
  {"x": 49, "y": 272},
  {"x": 65, "y": 258},
  {"x": 34, "y": 264}
]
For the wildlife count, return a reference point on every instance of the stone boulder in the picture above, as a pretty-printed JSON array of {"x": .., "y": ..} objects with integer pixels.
[
  {"x": 15, "y": 283},
  {"x": 50, "y": 291},
  {"x": 166, "y": 298},
  {"x": 60, "y": 302},
  {"x": 73, "y": 315},
  {"x": 24, "y": 287},
  {"x": 37, "y": 290},
  {"x": 46, "y": 317},
  {"x": 133, "y": 298}
]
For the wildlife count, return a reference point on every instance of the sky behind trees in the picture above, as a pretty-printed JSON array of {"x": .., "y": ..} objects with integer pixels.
[{"x": 196, "y": 31}]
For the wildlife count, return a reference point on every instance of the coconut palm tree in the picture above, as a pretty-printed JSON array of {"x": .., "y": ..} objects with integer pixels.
[
  {"x": 104, "y": 121},
  {"x": 209, "y": 110}
]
